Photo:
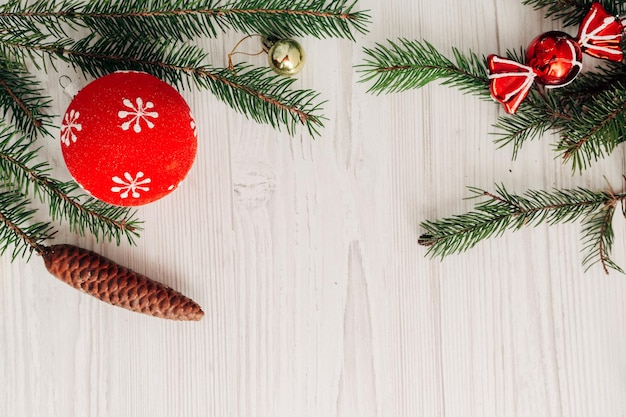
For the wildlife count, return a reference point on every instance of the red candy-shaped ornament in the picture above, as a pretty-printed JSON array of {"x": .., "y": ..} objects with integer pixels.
[
  {"x": 554, "y": 59},
  {"x": 128, "y": 138}
]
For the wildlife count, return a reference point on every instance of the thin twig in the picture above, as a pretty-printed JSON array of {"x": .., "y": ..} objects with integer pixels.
[
  {"x": 601, "y": 250},
  {"x": 37, "y": 247},
  {"x": 234, "y": 51},
  {"x": 575, "y": 146},
  {"x": 20, "y": 103}
]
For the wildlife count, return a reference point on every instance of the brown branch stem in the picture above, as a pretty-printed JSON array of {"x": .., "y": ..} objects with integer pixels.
[
  {"x": 394, "y": 68},
  {"x": 615, "y": 198},
  {"x": 504, "y": 201},
  {"x": 575, "y": 146},
  {"x": 612, "y": 201},
  {"x": 20, "y": 103},
  {"x": 451, "y": 69},
  {"x": 605, "y": 224},
  {"x": 37, "y": 247}
]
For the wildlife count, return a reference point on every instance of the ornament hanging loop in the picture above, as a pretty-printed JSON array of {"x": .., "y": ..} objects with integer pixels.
[
  {"x": 68, "y": 86},
  {"x": 284, "y": 56},
  {"x": 234, "y": 51},
  {"x": 64, "y": 79}
]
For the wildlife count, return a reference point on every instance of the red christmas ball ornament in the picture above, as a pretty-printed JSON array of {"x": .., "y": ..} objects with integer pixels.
[
  {"x": 555, "y": 57},
  {"x": 128, "y": 138}
]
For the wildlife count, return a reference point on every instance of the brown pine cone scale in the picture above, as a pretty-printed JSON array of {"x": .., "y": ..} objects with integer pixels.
[{"x": 112, "y": 283}]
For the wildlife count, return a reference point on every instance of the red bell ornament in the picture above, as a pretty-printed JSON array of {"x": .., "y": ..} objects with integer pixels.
[
  {"x": 128, "y": 138},
  {"x": 554, "y": 59}
]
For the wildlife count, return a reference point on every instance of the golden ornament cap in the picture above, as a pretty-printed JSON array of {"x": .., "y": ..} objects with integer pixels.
[{"x": 286, "y": 57}]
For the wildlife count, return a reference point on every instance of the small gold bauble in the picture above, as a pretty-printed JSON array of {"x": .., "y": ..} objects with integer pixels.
[{"x": 286, "y": 57}]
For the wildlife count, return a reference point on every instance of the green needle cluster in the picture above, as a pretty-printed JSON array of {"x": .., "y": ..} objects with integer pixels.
[{"x": 502, "y": 211}]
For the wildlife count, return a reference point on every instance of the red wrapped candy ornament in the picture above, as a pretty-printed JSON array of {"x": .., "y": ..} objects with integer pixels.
[
  {"x": 554, "y": 58},
  {"x": 128, "y": 138}
]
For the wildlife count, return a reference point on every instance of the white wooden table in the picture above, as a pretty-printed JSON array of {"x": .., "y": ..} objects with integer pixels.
[{"x": 303, "y": 253}]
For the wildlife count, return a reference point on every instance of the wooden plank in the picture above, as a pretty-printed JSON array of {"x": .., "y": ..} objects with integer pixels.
[{"x": 303, "y": 254}]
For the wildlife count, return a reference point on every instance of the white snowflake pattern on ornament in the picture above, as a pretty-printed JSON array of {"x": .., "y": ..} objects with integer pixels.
[
  {"x": 69, "y": 126},
  {"x": 193, "y": 125},
  {"x": 138, "y": 113},
  {"x": 130, "y": 185}
]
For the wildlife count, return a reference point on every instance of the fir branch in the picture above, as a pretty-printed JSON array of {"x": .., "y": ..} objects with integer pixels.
[
  {"x": 265, "y": 97},
  {"x": 22, "y": 100},
  {"x": 572, "y": 12},
  {"x": 504, "y": 211},
  {"x": 20, "y": 46},
  {"x": 186, "y": 19},
  {"x": 405, "y": 64},
  {"x": 596, "y": 129},
  {"x": 598, "y": 239},
  {"x": 17, "y": 227},
  {"x": 255, "y": 92},
  {"x": 588, "y": 115},
  {"x": 289, "y": 18},
  {"x": 537, "y": 115},
  {"x": 32, "y": 16},
  {"x": 18, "y": 172}
]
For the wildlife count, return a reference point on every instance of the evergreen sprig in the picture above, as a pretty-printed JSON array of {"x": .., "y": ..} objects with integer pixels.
[
  {"x": 186, "y": 19},
  {"x": 257, "y": 93},
  {"x": 572, "y": 12},
  {"x": 405, "y": 64},
  {"x": 587, "y": 115},
  {"x": 17, "y": 228},
  {"x": 503, "y": 211},
  {"x": 539, "y": 114},
  {"x": 594, "y": 131}
]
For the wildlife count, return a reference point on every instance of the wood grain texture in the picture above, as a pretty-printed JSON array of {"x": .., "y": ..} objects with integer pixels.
[{"x": 303, "y": 256}]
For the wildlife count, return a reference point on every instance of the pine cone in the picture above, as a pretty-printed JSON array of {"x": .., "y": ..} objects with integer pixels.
[{"x": 117, "y": 285}]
